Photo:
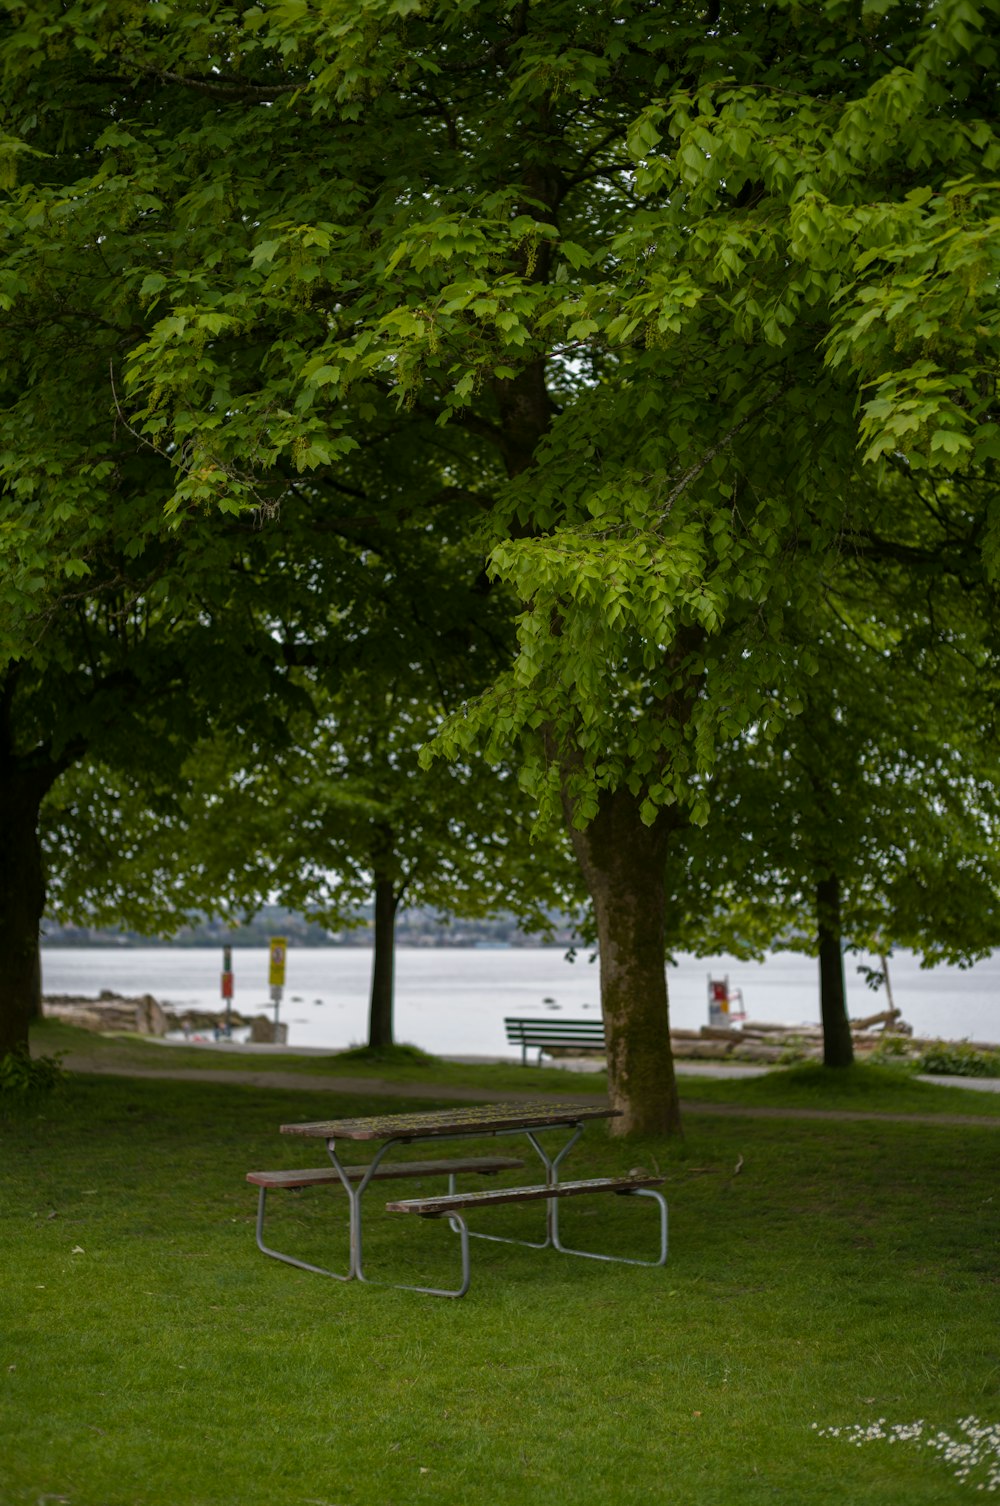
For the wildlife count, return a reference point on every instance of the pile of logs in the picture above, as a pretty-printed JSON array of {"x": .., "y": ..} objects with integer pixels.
[{"x": 758, "y": 1042}]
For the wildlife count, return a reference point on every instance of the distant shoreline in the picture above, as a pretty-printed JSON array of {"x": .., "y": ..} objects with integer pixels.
[
  {"x": 454, "y": 998},
  {"x": 365, "y": 945}
]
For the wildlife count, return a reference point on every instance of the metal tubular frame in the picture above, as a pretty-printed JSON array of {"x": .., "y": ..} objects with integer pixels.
[
  {"x": 619, "y": 1259},
  {"x": 357, "y": 1267},
  {"x": 303, "y": 1265},
  {"x": 354, "y": 1271},
  {"x": 552, "y": 1239},
  {"x": 551, "y": 1164},
  {"x": 354, "y": 1196},
  {"x": 461, "y": 1228},
  {"x": 457, "y": 1223}
]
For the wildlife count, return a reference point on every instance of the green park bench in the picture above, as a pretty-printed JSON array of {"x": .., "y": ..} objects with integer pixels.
[{"x": 549, "y": 1036}]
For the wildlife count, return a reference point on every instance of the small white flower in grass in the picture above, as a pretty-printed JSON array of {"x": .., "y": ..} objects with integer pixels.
[{"x": 974, "y": 1447}]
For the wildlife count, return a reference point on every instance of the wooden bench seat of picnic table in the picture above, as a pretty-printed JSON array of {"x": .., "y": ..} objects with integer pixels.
[
  {"x": 329, "y": 1176},
  {"x": 324, "y": 1175},
  {"x": 457, "y": 1202},
  {"x": 455, "y": 1205}
]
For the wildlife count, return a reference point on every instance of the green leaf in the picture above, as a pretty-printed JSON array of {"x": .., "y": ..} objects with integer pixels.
[{"x": 264, "y": 252}]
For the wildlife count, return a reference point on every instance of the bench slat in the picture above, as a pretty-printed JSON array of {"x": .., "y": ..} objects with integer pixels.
[
  {"x": 585, "y": 1029},
  {"x": 323, "y": 1175},
  {"x": 457, "y": 1201},
  {"x": 558, "y": 1037}
]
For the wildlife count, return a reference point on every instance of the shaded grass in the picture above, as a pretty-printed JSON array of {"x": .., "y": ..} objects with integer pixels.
[
  {"x": 863, "y": 1088},
  {"x": 149, "y": 1354},
  {"x": 886, "y": 1089},
  {"x": 399, "y": 1064}
]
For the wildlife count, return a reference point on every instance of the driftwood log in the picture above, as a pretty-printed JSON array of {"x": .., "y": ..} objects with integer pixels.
[{"x": 762, "y": 1041}]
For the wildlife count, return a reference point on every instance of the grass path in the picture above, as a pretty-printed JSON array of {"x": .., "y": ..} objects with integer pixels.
[{"x": 380, "y": 1087}]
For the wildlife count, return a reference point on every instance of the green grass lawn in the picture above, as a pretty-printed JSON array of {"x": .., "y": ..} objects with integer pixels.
[{"x": 151, "y": 1356}]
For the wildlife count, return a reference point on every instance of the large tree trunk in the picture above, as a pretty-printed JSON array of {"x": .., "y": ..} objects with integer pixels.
[
  {"x": 838, "y": 1046},
  {"x": 22, "y": 903},
  {"x": 622, "y": 860},
  {"x": 383, "y": 964},
  {"x": 623, "y": 863}
]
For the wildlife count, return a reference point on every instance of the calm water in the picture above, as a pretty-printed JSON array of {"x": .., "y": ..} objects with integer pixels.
[{"x": 453, "y": 1000}]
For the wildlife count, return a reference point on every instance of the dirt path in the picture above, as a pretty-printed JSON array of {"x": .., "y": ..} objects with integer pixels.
[{"x": 379, "y": 1087}]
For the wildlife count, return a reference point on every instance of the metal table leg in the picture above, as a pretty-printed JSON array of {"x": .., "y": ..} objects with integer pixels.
[
  {"x": 354, "y": 1196},
  {"x": 551, "y": 1164},
  {"x": 457, "y": 1223},
  {"x": 303, "y": 1265}
]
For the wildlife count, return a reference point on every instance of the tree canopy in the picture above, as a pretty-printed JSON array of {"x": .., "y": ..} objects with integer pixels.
[
  {"x": 634, "y": 291},
  {"x": 336, "y": 814},
  {"x": 871, "y": 820}
]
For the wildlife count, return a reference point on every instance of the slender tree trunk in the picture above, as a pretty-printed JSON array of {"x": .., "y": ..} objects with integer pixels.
[
  {"x": 22, "y": 904},
  {"x": 623, "y": 862},
  {"x": 383, "y": 964},
  {"x": 838, "y": 1046}
]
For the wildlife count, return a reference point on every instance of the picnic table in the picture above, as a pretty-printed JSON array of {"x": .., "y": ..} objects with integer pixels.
[{"x": 386, "y": 1131}]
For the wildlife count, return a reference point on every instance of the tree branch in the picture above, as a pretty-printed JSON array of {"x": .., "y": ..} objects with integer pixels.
[{"x": 219, "y": 87}]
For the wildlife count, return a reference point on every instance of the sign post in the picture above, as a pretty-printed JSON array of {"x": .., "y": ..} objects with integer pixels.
[
  {"x": 276, "y": 971},
  {"x": 227, "y": 987}
]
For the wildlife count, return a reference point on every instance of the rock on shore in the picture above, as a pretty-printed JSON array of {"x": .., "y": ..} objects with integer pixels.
[{"x": 145, "y": 1015}]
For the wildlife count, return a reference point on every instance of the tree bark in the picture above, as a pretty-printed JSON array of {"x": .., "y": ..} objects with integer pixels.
[
  {"x": 838, "y": 1046},
  {"x": 22, "y": 904},
  {"x": 622, "y": 860},
  {"x": 624, "y": 863},
  {"x": 383, "y": 964}
]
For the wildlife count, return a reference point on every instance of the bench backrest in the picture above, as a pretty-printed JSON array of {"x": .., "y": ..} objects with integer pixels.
[{"x": 535, "y": 1032}]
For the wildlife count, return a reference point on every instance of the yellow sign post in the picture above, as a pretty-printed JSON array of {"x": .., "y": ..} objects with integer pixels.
[{"x": 276, "y": 972}]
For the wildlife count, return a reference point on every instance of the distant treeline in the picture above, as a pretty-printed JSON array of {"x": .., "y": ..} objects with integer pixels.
[{"x": 417, "y": 927}]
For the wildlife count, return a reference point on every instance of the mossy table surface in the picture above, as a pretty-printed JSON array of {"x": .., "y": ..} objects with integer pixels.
[{"x": 482, "y": 1119}]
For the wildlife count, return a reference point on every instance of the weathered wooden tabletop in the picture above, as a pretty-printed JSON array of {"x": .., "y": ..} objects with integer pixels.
[{"x": 484, "y": 1119}]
